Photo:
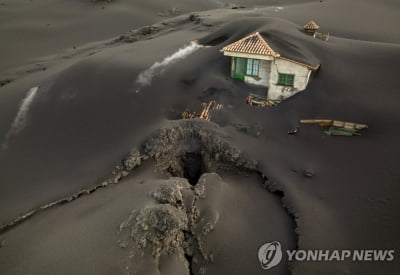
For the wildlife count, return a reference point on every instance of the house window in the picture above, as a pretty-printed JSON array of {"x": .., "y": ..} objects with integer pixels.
[
  {"x": 286, "y": 79},
  {"x": 252, "y": 67}
]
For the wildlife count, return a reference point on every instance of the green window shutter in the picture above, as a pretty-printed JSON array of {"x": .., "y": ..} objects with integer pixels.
[
  {"x": 286, "y": 79},
  {"x": 290, "y": 80},
  {"x": 240, "y": 68}
]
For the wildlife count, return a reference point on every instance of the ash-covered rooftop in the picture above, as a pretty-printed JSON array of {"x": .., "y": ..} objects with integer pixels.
[
  {"x": 251, "y": 44},
  {"x": 257, "y": 44}
]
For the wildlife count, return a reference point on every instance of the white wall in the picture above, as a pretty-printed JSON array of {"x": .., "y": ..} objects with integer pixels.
[
  {"x": 268, "y": 76},
  {"x": 278, "y": 92}
]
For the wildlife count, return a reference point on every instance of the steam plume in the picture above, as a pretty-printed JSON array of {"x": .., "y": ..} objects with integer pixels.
[
  {"x": 145, "y": 78},
  {"x": 22, "y": 115}
]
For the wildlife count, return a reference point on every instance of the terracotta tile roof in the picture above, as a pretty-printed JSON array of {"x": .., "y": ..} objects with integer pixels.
[
  {"x": 311, "y": 26},
  {"x": 256, "y": 44},
  {"x": 252, "y": 44}
]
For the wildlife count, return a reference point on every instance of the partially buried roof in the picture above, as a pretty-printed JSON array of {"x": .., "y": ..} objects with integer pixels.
[
  {"x": 251, "y": 44},
  {"x": 256, "y": 44},
  {"x": 311, "y": 26}
]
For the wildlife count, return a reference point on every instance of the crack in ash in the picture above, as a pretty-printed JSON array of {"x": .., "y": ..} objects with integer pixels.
[
  {"x": 273, "y": 188},
  {"x": 171, "y": 226},
  {"x": 169, "y": 146}
]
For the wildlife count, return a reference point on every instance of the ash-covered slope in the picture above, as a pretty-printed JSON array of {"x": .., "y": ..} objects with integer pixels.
[
  {"x": 343, "y": 192},
  {"x": 155, "y": 225}
]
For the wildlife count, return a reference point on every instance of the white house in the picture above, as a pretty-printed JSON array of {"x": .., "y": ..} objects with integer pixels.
[{"x": 255, "y": 62}]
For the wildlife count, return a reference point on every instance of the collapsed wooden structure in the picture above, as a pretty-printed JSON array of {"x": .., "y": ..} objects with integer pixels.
[
  {"x": 260, "y": 101},
  {"x": 205, "y": 113}
]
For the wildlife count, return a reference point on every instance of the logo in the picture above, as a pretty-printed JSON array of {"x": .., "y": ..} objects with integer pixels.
[{"x": 270, "y": 254}]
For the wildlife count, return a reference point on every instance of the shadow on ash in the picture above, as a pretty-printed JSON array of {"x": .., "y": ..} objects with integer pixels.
[
  {"x": 186, "y": 149},
  {"x": 191, "y": 152}
]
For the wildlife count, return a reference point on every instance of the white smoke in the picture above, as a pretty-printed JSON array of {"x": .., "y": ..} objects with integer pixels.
[
  {"x": 145, "y": 78},
  {"x": 21, "y": 117}
]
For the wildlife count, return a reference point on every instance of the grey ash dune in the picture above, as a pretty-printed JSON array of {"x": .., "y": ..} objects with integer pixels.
[
  {"x": 324, "y": 192},
  {"x": 186, "y": 210}
]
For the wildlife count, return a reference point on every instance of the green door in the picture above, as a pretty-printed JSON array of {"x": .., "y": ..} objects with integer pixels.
[{"x": 240, "y": 68}]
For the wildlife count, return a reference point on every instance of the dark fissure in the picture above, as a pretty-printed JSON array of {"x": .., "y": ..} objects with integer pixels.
[
  {"x": 193, "y": 167},
  {"x": 189, "y": 259}
]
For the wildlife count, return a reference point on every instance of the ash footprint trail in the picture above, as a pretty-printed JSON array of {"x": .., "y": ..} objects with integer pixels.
[
  {"x": 21, "y": 118},
  {"x": 145, "y": 78}
]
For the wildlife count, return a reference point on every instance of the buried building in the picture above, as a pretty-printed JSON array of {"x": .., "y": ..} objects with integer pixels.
[
  {"x": 255, "y": 62},
  {"x": 311, "y": 27}
]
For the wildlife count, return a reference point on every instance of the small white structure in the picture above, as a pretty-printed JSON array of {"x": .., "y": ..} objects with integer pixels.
[{"x": 255, "y": 62}]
